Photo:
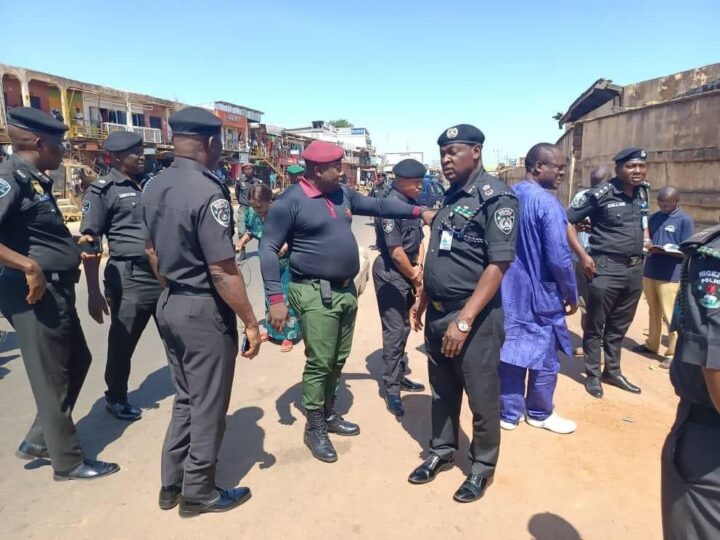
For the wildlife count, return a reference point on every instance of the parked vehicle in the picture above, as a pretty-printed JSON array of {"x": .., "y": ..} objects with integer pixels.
[{"x": 432, "y": 193}]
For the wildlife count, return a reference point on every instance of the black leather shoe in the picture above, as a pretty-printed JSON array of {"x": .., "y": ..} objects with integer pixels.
[
  {"x": 336, "y": 423},
  {"x": 472, "y": 489},
  {"x": 621, "y": 382},
  {"x": 88, "y": 470},
  {"x": 169, "y": 497},
  {"x": 31, "y": 451},
  {"x": 316, "y": 437},
  {"x": 123, "y": 411},
  {"x": 394, "y": 404},
  {"x": 593, "y": 386},
  {"x": 428, "y": 469},
  {"x": 227, "y": 499},
  {"x": 406, "y": 385}
]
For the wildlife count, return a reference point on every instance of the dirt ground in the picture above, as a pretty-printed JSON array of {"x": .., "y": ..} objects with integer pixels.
[{"x": 601, "y": 482}]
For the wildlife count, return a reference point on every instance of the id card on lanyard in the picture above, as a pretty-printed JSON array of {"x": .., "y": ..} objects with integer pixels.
[{"x": 445, "y": 241}]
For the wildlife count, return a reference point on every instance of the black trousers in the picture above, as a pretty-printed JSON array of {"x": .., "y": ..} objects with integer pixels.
[
  {"x": 395, "y": 297},
  {"x": 132, "y": 292},
  {"x": 201, "y": 339},
  {"x": 690, "y": 475},
  {"x": 475, "y": 372},
  {"x": 613, "y": 296},
  {"x": 56, "y": 359}
]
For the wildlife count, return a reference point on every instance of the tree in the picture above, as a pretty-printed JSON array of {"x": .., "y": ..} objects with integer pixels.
[{"x": 341, "y": 123}]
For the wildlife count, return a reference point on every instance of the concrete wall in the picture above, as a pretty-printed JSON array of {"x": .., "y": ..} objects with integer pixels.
[{"x": 682, "y": 138}]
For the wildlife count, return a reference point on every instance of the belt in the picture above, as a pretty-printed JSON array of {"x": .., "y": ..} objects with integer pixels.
[
  {"x": 703, "y": 415},
  {"x": 334, "y": 284},
  {"x": 447, "y": 306},
  {"x": 623, "y": 259},
  {"x": 187, "y": 290},
  {"x": 66, "y": 277}
]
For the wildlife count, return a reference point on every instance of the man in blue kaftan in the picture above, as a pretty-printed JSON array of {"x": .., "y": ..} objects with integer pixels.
[{"x": 538, "y": 291}]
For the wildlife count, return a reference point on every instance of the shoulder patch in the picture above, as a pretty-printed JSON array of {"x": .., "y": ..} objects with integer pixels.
[
  {"x": 85, "y": 207},
  {"x": 505, "y": 219},
  {"x": 579, "y": 202},
  {"x": 5, "y": 187},
  {"x": 388, "y": 225},
  {"x": 221, "y": 212}
]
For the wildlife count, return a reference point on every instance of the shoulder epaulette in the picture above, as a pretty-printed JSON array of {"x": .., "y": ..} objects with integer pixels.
[
  {"x": 100, "y": 185},
  {"x": 600, "y": 191},
  {"x": 700, "y": 239},
  {"x": 22, "y": 176}
]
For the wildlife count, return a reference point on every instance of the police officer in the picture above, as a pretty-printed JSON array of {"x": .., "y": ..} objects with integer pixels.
[
  {"x": 690, "y": 458},
  {"x": 472, "y": 244},
  {"x": 618, "y": 211},
  {"x": 188, "y": 215},
  {"x": 113, "y": 207},
  {"x": 315, "y": 217},
  {"x": 381, "y": 188},
  {"x": 39, "y": 271},
  {"x": 242, "y": 188},
  {"x": 397, "y": 275}
]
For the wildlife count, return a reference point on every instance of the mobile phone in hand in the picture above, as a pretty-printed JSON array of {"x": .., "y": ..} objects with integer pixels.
[
  {"x": 91, "y": 248},
  {"x": 245, "y": 347}
]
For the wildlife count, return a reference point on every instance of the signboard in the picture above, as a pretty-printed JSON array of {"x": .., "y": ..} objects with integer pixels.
[
  {"x": 358, "y": 131},
  {"x": 231, "y": 119}
]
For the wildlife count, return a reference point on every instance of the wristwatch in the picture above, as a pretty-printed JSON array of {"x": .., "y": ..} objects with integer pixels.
[{"x": 463, "y": 325}]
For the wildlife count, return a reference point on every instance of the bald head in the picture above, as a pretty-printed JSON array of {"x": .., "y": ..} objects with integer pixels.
[
  {"x": 668, "y": 199},
  {"x": 200, "y": 148},
  {"x": 599, "y": 174}
]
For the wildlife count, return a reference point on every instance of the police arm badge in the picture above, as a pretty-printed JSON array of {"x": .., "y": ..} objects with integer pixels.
[{"x": 505, "y": 219}]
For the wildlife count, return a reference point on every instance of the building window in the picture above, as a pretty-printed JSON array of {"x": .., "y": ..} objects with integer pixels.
[
  {"x": 138, "y": 119},
  {"x": 35, "y": 102},
  {"x": 155, "y": 122}
]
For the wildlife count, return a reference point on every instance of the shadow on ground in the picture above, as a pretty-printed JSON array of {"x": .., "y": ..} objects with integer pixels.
[
  {"x": 549, "y": 526},
  {"x": 98, "y": 429},
  {"x": 243, "y": 446}
]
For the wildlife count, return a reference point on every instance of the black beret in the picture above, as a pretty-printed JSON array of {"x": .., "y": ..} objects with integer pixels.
[
  {"x": 194, "y": 121},
  {"x": 629, "y": 153},
  {"x": 409, "y": 168},
  {"x": 119, "y": 141},
  {"x": 462, "y": 133},
  {"x": 35, "y": 120}
]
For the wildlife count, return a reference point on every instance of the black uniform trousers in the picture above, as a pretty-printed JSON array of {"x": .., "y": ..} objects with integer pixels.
[
  {"x": 132, "y": 292},
  {"x": 691, "y": 477},
  {"x": 56, "y": 359},
  {"x": 395, "y": 297},
  {"x": 475, "y": 372},
  {"x": 613, "y": 296},
  {"x": 201, "y": 340}
]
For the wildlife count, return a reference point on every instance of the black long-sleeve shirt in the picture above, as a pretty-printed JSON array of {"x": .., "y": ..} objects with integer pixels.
[{"x": 317, "y": 227}]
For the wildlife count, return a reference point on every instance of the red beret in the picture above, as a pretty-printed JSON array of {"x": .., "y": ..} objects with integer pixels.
[{"x": 323, "y": 152}]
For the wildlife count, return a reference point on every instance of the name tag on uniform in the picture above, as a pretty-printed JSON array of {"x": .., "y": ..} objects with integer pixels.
[
  {"x": 129, "y": 194},
  {"x": 616, "y": 204},
  {"x": 445, "y": 241}
]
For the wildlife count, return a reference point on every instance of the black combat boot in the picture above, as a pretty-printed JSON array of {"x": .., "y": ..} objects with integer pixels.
[
  {"x": 316, "y": 437},
  {"x": 336, "y": 423}
]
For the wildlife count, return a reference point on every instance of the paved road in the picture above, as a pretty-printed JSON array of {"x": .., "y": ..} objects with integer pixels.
[{"x": 601, "y": 482}]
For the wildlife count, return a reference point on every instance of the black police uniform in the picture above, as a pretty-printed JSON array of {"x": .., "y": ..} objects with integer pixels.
[
  {"x": 187, "y": 211},
  {"x": 476, "y": 226},
  {"x": 52, "y": 343},
  {"x": 112, "y": 206},
  {"x": 691, "y": 454},
  {"x": 616, "y": 246},
  {"x": 395, "y": 292}
]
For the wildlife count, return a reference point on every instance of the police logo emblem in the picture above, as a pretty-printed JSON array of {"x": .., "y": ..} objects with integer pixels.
[
  {"x": 4, "y": 188},
  {"x": 643, "y": 154},
  {"x": 708, "y": 287},
  {"x": 85, "y": 207},
  {"x": 451, "y": 133},
  {"x": 505, "y": 219},
  {"x": 221, "y": 212},
  {"x": 388, "y": 225},
  {"x": 579, "y": 201}
]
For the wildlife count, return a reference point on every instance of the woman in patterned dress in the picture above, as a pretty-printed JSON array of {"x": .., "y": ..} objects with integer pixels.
[{"x": 260, "y": 197}]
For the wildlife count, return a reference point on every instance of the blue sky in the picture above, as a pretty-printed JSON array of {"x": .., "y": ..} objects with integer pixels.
[{"x": 405, "y": 69}]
